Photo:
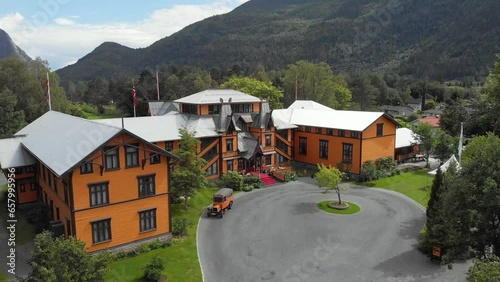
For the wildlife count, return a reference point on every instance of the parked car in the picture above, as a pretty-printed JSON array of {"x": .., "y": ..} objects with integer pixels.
[{"x": 222, "y": 201}]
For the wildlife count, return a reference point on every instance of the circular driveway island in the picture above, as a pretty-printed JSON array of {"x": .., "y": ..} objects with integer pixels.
[{"x": 279, "y": 234}]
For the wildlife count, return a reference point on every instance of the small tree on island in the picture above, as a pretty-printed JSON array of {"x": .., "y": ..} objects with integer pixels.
[
  {"x": 188, "y": 176},
  {"x": 329, "y": 178}
]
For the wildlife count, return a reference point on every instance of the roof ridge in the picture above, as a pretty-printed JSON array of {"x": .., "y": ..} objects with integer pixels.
[{"x": 84, "y": 119}]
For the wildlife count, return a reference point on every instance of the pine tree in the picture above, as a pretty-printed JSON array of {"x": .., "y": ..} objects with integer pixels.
[{"x": 189, "y": 176}]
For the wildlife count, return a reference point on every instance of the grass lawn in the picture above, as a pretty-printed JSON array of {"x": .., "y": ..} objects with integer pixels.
[
  {"x": 353, "y": 208},
  {"x": 181, "y": 260},
  {"x": 415, "y": 185},
  {"x": 3, "y": 277},
  {"x": 90, "y": 112}
]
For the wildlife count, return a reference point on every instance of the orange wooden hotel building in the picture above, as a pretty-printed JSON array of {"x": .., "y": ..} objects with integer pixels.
[{"x": 107, "y": 181}]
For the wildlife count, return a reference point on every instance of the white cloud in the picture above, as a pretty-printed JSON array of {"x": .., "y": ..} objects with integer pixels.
[
  {"x": 66, "y": 41},
  {"x": 64, "y": 21}
]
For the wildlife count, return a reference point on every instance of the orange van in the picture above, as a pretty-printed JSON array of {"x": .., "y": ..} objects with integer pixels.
[{"x": 223, "y": 200}]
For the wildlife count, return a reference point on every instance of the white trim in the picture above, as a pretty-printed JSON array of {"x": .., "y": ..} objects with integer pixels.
[{"x": 231, "y": 158}]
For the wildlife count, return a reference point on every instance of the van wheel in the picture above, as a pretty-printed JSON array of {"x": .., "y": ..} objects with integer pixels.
[
  {"x": 230, "y": 205},
  {"x": 208, "y": 214},
  {"x": 221, "y": 214}
]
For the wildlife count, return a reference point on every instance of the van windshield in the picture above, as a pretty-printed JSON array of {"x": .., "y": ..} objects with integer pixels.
[{"x": 217, "y": 199}]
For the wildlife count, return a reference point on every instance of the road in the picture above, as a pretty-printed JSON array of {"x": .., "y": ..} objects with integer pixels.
[
  {"x": 23, "y": 252},
  {"x": 278, "y": 234}
]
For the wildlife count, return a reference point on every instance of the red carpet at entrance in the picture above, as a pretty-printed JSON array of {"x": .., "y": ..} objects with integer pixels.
[{"x": 267, "y": 180}]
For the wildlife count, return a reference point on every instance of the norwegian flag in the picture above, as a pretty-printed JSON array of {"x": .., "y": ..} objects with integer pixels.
[
  {"x": 134, "y": 94},
  {"x": 47, "y": 84}
]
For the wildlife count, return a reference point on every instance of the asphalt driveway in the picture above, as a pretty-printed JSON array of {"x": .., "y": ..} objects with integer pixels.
[{"x": 278, "y": 234}]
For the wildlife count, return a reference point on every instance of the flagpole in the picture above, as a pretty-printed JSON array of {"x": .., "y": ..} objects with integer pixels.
[
  {"x": 134, "y": 96},
  {"x": 47, "y": 82},
  {"x": 209, "y": 80},
  {"x": 460, "y": 143},
  {"x": 157, "y": 84}
]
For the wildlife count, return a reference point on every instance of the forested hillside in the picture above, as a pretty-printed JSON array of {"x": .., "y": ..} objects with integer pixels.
[
  {"x": 440, "y": 40},
  {"x": 9, "y": 49}
]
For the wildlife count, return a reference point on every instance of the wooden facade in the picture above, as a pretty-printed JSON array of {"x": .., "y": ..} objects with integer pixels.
[
  {"x": 330, "y": 146},
  {"x": 117, "y": 195}
]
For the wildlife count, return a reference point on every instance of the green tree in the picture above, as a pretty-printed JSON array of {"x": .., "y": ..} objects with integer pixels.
[
  {"x": 97, "y": 93},
  {"x": 316, "y": 82},
  {"x": 188, "y": 176},
  {"x": 363, "y": 92},
  {"x": 12, "y": 120},
  {"x": 257, "y": 88},
  {"x": 485, "y": 270},
  {"x": 453, "y": 115},
  {"x": 489, "y": 118},
  {"x": 60, "y": 259},
  {"x": 329, "y": 178},
  {"x": 444, "y": 145},
  {"x": 16, "y": 76},
  {"x": 435, "y": 232},
  {"x": 472, "y": 201},
  {"x": 424, "y": 136}
]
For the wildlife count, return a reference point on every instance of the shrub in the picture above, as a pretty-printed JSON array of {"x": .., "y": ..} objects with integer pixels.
[
  {"x": 38, "y": 215},
  {"x": 233, "y": 180},
  {"x": 485, "y": 270},
  {"x": 368, "y": 172},
  {"x": 217, "y": 182},
  {"x": 144, "y": 248},
  {"x": 257, "y": 185},
  {"x": 251, "y": 179},
  {"x": 290, "y": 176},
  {"x": 247, "y": 188},
  {"x": 153, "y": 270},
  {"x": 180, "y": 226},
  {"x": 386, "y": 166},
  {"x": 156, "y": 244}
]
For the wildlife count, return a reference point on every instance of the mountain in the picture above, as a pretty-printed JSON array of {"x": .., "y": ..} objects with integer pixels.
[
  {"x": 8, "y": 48},
  {"x": 436, "y": 39}
]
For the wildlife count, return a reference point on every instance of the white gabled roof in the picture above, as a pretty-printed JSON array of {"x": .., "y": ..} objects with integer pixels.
[
  {"x": 344, "y": 120},
  {"x": 61, "y": 141},
  {"x": 213, "y": 96},
  {"x": 281, "y": 119},
  {"x": 404, "y": 137},
  {"x": 309, "y": 105},
  {"x": 12, "y": 153},
  {"x": 166, "y": 127}
]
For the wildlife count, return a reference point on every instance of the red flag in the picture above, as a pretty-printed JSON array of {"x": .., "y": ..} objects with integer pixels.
[
  {"x": 134, "y": 95},
  {"x": 47, "y": 84}
]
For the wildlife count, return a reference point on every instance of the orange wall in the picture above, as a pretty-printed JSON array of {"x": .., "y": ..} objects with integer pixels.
[
  {"x": 57, "y": 198},
  {"x": 379, "y": 147},
  {"x": 25, "y": 178},
  {"x": 123, "y": 197},
  {"x": 389, "y": 128},
  {"x": 335, "y": 147},
  {"x": 123, "y": 183},
  {"x": 125, "y": 221},
  {"x": 376, "y": 148},
  {"x": 29, "y": 195}
]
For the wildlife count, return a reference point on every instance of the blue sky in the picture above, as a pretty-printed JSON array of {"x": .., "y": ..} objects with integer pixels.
[{"x": 62, "y": 31}]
